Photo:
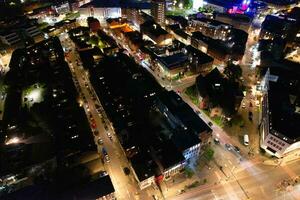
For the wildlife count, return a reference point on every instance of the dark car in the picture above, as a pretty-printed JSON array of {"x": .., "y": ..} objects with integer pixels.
[
  {"x": 237, "y": 149},
  {"x": 216, "y": 140},
  {"x": 210, "y": 123},
  {"x": 126, "y": 170}
]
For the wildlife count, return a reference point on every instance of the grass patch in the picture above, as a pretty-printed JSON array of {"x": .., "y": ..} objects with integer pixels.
[
  {"x": 43, "y": 25},
  {"x": 218, "y": 120},
  {"x": 193, "y": 94},
  {"x": 72, "y": 15},
  {"x": 176, "y": 11}
]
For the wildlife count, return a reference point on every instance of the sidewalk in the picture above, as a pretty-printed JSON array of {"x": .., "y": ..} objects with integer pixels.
[
  {"x": 176, "y": 185},
  {"x": 291, "y": 157}
]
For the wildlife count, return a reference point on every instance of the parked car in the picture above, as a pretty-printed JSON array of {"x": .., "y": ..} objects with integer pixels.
[
  {"x": 228, "y": 146},
  {"x": 107, "y": 159},
  {"x": 237, "y": 149},
  {"x": 126, "y": 171},
  {"x": 246, "y": 140},
  {"x": 210, "y": 124},
  {"x": 100, "y": 141},
  {"x": 216, "y": 140}
]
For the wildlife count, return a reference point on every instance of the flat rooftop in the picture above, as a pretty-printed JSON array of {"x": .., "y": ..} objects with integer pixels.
[
  {"x": 284, "y": 97},
  {"x": 174, "y": 61}
]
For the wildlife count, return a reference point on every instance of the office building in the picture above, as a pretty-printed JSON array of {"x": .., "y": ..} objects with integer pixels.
[{"x": 280, "y": 112}]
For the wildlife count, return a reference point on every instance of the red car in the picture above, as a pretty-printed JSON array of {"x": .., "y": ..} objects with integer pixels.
[{"x": 94, "y": 126}]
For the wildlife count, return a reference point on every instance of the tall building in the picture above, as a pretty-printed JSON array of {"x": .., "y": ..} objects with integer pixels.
[
  {"x": 280, "y": 111},
  {"x": 158, "y": 10}
]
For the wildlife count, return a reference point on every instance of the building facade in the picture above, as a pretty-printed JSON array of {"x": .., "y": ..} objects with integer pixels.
[{"x": 158, "y": 11}]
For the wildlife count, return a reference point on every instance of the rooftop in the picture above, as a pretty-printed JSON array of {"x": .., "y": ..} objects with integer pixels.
[
  {"x": 202, "y": 57},
  {"x": 143, "y": 165},
  {"x": 212, "y": 22},
  {"x": 118, "y": 4},
  {"x": 184, "y": 112},
  {"x": 173, "y": 61},
  {"x": 153, "y": 28},
  {"x": 284, "y": 97}
]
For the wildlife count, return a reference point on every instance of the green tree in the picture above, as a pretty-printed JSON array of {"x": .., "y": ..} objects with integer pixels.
[
  {"x": 187, "y": 4},
  {"x": 94, "y": 40},
  {"x": 233, "y": 72},
  {"x": 209, "y": 153},
  {"x": 188, "y": 172},
  {"x": 237, "y": 120}
]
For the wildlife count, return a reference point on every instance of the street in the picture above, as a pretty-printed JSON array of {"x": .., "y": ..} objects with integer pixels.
[
  {"x": 125, "y": 186},
  {"x": 254, "y": 181}
]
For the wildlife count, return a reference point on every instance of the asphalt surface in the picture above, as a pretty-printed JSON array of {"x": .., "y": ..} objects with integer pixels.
[{"x": 125, "y": 186}]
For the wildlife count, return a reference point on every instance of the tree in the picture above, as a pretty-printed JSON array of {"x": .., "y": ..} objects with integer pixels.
[
  {"x": 233, "y": 72},
  {"x": 209, "y": 153},
  {"x": 188, "y": 172},
  {"x": 187, "y": 4},
  {"x": 237, "y": 120},
  {"x": 94, "y": 40}
]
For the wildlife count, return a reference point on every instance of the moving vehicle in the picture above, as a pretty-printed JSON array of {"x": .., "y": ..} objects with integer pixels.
[{"x": 246, "y": 140}]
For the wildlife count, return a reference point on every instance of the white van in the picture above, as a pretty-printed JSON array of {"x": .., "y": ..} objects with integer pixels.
[{"x": 246, "y": 140}]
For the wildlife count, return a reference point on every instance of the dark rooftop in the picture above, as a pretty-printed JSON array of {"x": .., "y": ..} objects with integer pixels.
[
  {"x": 212, "y": 22},
  {"x": 153, "y": 28},
  {"x": 184, "y": 112},
  {"x": 92, "y": 190},
  {"x": 173, "y": 61},
  {"x": 202, "y": 57},
  {"x": 283, "y": 97},
  {"x": 143, "y": 165}
]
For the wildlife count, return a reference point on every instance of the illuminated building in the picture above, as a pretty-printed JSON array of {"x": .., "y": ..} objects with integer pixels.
[
  {"x": 197, "y": 4},
  {"x": 231, "y": 6},
  {"x": 158, "y": 11}
]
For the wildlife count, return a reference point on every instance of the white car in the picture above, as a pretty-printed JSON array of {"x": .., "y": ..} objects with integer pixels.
[
  {"x": 243, "y": 105},
  {"x": 107, "y": 159}
]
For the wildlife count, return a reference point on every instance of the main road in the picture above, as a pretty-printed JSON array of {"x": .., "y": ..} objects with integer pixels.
[
  {"x": 254, "y": 181},
  {"x": 125, "y": 186}
]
